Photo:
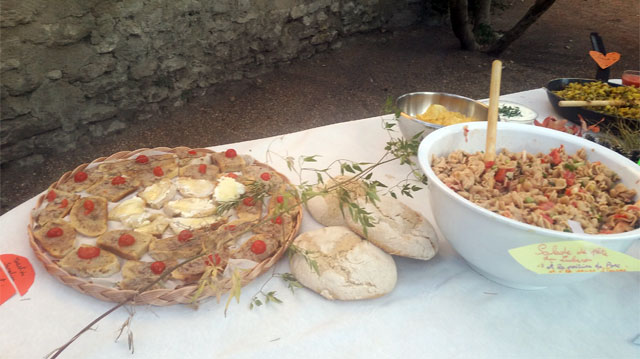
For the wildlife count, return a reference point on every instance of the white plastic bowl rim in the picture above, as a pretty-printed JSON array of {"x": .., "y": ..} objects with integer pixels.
[{"x": 533, "y": 130}]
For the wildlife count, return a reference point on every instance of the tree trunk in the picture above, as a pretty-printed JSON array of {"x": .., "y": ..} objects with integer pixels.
[
  {"x": 460, "y": 24},
  {"x": 482, "y": 13},
  {"x": 518, "y": 29}
]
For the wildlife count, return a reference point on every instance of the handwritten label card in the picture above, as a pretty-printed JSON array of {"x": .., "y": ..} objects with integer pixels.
[
  {"x": 573, "y": 257},
  {"x": 6, "y": 289},
  {"x": 20, "y": 272}
]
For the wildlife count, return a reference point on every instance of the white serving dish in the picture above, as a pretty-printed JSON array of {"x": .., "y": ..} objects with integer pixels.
[
  {"x": 527, "y": 115},
  {"x": 483, "y": 238}
]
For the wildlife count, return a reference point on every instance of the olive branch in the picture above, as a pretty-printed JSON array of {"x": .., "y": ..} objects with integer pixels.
[
  {"x": 400, "y": 149},
  {"x": 288, "y": 278},
  {"x": 267, "y": 297},
  {"x": 256, "y": 190},
  {"x": 396, "y": 149}
]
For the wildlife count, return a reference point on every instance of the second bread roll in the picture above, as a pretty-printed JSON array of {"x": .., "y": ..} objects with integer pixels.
[
  {"x": 349, "y": 267},
  {"x": 399, "y": 230},
  {"x": 326, "y": 209}
]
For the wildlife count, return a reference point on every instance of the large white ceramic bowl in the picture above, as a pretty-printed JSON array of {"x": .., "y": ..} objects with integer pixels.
[{"x": 483, "y": 238}]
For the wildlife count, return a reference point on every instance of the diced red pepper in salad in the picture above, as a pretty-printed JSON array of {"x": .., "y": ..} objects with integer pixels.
[
  {"x": 555, "y": 156},
  {"x": 547, "y": 218},
  {"x": 501, "y": 174},
  {"x": 570, "y": 177},
  {"x": 545, "y": 206}
]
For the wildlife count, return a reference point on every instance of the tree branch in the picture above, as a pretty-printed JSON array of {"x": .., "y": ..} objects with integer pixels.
[{"x": 534, "y": 12}]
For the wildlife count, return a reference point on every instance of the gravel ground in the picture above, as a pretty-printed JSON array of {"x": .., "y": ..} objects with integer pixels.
[{"x": 353, "y": 82}]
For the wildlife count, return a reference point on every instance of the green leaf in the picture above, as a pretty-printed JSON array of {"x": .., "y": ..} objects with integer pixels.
[
  {"x": 236, "y": 287},
  {"x": 347, "y": 167},
  {"x": 293, "y": 249},
  {"x": 379, "y": 184},
  {"x": 271, "y": 296},
  {"x": 290, "y": 163},
  {"x": 291, "y": 281}
]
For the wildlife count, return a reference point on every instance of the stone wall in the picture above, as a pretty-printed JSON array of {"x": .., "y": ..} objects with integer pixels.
[{"x": 72, "y": 69}]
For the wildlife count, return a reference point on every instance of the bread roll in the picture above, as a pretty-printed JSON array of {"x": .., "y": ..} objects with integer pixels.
[
  {"x": 208, "y": 172},
  {"x": 257, "y": 252},
  {"x": 104, "y": 265},
  {"x": 137, "y": 275},
  {"x": 57, "y": 244},
  {"x": 349, "y": 267},
  {"x": 177, "y": 247},
  {"x": 80, "y": 180},
  {"x": 59, "y": 204},
  {"x": 399, "y": 229},
  {"x": 113, "y": 188},
  {"x": 110, "y": 242},
  {"x": 326, "y": 209},
  {"x": 89, "y": 216},
  {"x": 193, "y": 271}
]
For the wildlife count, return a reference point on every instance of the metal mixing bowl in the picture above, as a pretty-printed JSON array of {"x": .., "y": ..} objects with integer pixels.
[{"x": 416, "y": 103}]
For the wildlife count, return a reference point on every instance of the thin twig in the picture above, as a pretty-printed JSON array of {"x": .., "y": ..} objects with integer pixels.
[{"x": 296, "y": 203}]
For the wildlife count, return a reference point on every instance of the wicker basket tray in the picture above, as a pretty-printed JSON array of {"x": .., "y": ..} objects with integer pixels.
[{"x": 159, "y": 297}]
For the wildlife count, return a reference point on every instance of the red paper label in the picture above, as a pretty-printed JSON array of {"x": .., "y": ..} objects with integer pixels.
[
  {"x": 6, "y": 289},
  {"x": 20, "y": 271}
]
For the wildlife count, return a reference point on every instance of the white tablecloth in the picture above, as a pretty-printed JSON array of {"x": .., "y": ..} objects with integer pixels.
[{"x": 440, "y": 308}]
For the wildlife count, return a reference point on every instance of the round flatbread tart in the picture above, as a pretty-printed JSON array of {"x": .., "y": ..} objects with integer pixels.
[{"x": 194, "y": 218}]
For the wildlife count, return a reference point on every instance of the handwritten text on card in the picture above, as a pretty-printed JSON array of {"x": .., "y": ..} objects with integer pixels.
[{"x": 573, "y": 257}]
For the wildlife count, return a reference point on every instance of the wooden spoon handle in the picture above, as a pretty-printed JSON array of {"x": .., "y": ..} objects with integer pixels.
[
  {"x": 407, "y": 116},
  {"x": 591, "y": 103},
  {"x": 494, "y": 96}
]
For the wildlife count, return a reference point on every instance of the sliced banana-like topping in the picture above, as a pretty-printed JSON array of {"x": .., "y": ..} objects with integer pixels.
[
  {"x": 190, "y": 187},
  {"x": 228, "y": 189},
  {"x": 127, "y": 208},
  {"x": 179, "y": 223},
  {"x": 159, "y": 193},
  {"x": 156, "y": 227},
  {"x": 190, "y": 207},
  {"x": 138, "y": 220}
]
